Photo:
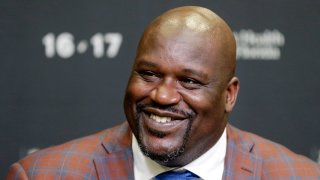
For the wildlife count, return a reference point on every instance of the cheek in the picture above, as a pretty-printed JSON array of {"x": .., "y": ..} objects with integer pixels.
[
  {"x": 136, "y": 89},
  {"x": 203, "y": 101},
  {"x": 209, "y": 107},
  {"x": 134, "y": 93}
]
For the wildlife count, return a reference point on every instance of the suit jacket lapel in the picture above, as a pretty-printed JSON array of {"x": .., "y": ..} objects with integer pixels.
[
  {"x": 115, "y": 160},
  {"x": 240, "y": 162}
]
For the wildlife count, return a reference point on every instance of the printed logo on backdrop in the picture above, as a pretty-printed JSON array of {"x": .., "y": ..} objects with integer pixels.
[
  {"x": 265, "y": 45},
  {"x": 65, "y": 45}
]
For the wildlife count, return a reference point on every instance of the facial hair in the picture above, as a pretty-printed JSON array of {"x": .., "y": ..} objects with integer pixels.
[{"x": 175, "y": 153}]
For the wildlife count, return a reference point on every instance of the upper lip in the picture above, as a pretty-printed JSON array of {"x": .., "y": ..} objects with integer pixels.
[{"x": 162, "y": 113}]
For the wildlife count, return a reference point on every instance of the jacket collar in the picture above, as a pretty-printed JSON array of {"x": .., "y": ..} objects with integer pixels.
[
  {"x": 115, "y": 160},
  {"x": 241, "y": 162}
]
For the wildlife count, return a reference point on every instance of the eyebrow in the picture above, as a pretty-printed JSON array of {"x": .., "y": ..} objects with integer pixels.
[
  {"x": 147, "y": 63},
  {"x": 194, "y": 72},
  {"x": 185, "y": 70}
]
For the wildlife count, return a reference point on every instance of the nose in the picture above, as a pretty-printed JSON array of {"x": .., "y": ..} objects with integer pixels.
[{"x": 165, "y": 93}]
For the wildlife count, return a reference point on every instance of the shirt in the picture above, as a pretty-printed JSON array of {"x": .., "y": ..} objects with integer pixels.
[{"x": 209, "y": 165}]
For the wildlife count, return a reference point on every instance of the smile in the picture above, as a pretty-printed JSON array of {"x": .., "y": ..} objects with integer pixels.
[{"x": 160, "y": 119}]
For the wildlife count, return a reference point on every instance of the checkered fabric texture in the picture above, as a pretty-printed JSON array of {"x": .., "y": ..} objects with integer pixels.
[{"x": 108, "y": 155}]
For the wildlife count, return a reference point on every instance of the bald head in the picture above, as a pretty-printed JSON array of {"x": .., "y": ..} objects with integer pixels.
[
  {"x": 192, "y": 17},
  {"x": 197, "y": 22},
  {"x": 182, "y": 85}
]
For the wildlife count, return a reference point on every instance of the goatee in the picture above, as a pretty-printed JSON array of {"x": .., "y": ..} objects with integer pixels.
[{"x": 169, "y": 156}]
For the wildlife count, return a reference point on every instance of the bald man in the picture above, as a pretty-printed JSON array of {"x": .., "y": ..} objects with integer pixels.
[{"x": 180, "y": 92}]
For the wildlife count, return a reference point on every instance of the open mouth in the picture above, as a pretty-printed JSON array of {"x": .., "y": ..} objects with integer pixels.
[
  {"x": 160, "y": 119},
  {"x": 164, "y": 123}
]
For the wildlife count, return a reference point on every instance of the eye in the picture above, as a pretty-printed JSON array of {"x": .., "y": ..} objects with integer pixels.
[
  {"x": 190, "y": 83},
  {"x": 148, "y": 75}
]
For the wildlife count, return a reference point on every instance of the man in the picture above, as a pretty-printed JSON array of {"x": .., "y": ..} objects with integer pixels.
[{"x": 177, "y": 102}]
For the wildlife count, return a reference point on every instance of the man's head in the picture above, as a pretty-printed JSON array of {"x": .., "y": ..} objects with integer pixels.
[{"x": 182, "y": 85}]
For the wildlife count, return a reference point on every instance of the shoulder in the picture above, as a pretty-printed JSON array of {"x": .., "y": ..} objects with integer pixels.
[
  {"x": 70, "y": 157},
  {"x": 276, "y": 159},
  {"x": 82, "y": 148}
]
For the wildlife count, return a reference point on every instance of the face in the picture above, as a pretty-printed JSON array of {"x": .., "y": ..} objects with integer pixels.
[{"x": 176, "y": 100}]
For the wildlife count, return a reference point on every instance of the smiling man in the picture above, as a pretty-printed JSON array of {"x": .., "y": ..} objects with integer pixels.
[
  {"x": 180, "y": 92},
  {"x": 182, "y": 86}
]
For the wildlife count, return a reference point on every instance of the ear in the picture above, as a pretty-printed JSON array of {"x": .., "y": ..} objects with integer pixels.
[{"x": 232, "y": 93}]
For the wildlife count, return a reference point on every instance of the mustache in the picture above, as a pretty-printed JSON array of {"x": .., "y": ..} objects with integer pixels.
[{"x": 189, "y": 114}]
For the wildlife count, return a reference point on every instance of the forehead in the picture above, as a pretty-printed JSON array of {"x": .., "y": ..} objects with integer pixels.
[
  {"x": 182, "y": 54},
  {"x": 181, "y": 46}
]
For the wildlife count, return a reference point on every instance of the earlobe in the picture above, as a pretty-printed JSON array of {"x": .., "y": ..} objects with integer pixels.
[{"x": 232, "y": 93}]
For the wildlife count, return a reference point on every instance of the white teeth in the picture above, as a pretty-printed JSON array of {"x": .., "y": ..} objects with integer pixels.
[{"x": 160, "y": 119}]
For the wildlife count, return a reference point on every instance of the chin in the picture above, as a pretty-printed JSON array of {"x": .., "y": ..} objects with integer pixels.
[
  {"x": 166, "y": 158},
  {"x": 167, "y": 155}
]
